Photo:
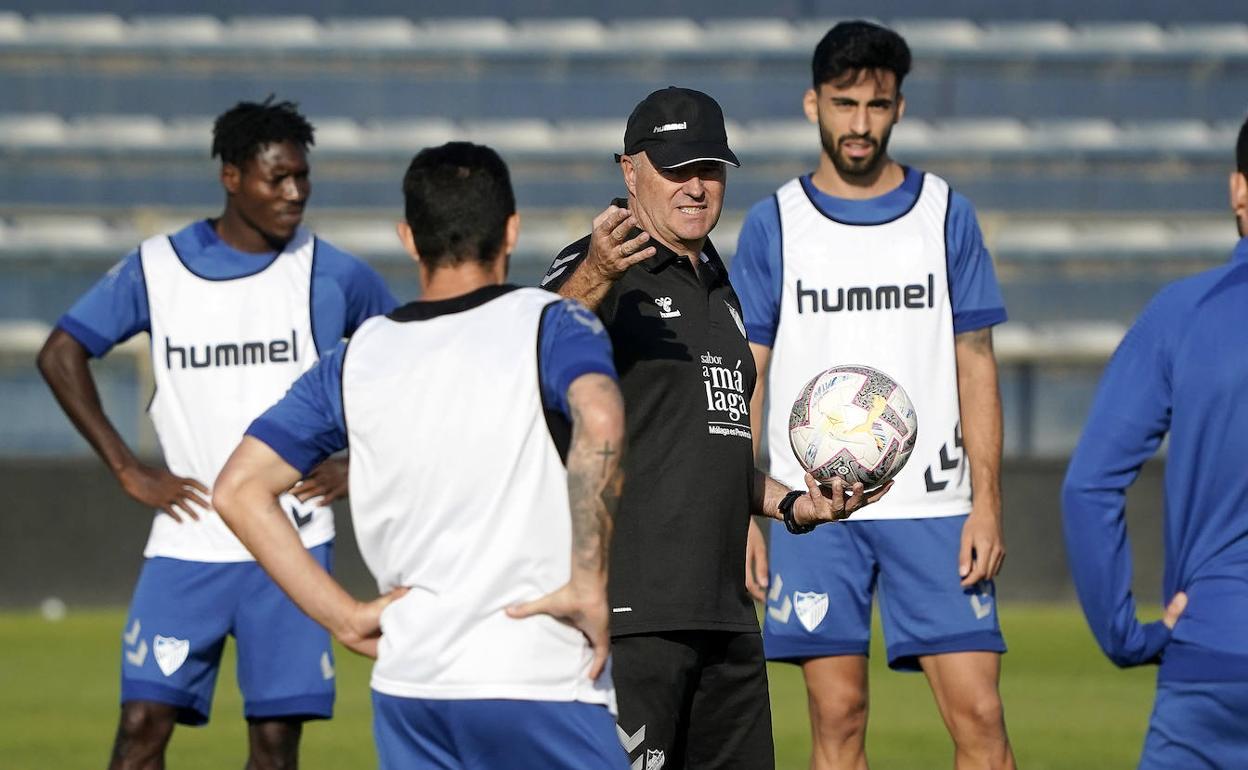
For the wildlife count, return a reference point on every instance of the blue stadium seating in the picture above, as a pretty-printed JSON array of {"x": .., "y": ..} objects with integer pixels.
[{"x": 1094, "y": 138}]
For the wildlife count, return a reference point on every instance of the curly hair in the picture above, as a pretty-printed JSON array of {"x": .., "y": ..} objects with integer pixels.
[{"x": 243, "y": 130}]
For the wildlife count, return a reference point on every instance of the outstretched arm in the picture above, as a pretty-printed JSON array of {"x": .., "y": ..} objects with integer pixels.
[
  {"x": 594, "y": 483},
  {"x": 246, "y": 495},
  {"x": 983, "y": 541},
  {"x": 63, "y": 363}
]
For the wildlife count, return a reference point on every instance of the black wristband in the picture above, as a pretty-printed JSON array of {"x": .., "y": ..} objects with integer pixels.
[{"x": 786, "y": 510}]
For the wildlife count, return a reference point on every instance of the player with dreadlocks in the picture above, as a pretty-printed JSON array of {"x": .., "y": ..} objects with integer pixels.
[{"x": 237, "y": 307}]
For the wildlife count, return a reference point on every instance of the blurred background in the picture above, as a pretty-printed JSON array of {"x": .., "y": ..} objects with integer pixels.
[{"x": 1094, "y": 137}]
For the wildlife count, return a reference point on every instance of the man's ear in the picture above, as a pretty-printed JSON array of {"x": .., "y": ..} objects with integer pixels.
[
  {"x": 810, "y": 105},
  {"x": 408, "y": 240},
  {"x": 1239, "y": 195},
  {"x": 231, "y": 178},
  {"x": 512, "y": 233},
  {"x": 629, "y": 169},
  {"x": 901, "y": 107}
]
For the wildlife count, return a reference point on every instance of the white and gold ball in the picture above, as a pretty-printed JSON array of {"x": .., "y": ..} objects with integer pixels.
[{"x": 855, "y": 422}]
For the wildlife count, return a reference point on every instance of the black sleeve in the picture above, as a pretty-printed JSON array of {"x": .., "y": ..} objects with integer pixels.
[{"x": 564, "y": 264}]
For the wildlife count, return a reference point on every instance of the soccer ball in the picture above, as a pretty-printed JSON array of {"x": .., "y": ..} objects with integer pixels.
[{"x": 854, "y": 422}]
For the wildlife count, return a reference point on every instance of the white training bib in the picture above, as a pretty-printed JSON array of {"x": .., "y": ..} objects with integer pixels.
[
  {"x": 875, "y": 295},
  {"x": 459, "y": 493},
  {"x": 223, "y": 351}
]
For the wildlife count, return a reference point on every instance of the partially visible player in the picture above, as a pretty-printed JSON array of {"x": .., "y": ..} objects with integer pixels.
[
  {"x": 486, "y": 430},
  {"x": 1181, "y": 371},
  {"x": 867, "y": 261},
  {"x": 237, "y": 307}
]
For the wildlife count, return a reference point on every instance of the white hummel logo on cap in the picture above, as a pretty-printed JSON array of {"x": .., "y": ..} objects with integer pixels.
[{"x": 670, "y": 127}]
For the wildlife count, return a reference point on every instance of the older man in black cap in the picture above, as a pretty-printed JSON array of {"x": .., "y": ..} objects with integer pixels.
[{"x": 688, "y": 658}]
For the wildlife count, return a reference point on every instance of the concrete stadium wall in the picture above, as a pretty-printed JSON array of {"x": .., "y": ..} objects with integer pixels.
[{"x": 69, "y": 532}]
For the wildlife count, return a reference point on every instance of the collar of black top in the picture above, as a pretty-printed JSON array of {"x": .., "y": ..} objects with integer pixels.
[{"x": 676, "y": 127}]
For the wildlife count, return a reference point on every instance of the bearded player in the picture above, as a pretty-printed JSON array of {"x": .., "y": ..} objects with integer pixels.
[{"x": 867, "y": 261}]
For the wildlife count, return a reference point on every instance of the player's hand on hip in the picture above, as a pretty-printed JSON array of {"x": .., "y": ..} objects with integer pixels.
[
  {"x": 158, "y": 488},
  {"x": 833, "y": 501},
  {"x": 611, "y": 251},
  {"x": 327, "y": 481},
  {"x": 983, "y": 547},
  {"x": 361, "y": 629},
  {"x": 583, "y": 608},
  {"x": 756, "y": 565},
  {"x": 1174, "y": 609}
]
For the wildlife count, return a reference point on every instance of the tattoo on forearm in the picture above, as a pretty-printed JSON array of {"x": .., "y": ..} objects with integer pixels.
[
  {"x": 595, "y": 483},
  {"x": 606, "y": 453}
]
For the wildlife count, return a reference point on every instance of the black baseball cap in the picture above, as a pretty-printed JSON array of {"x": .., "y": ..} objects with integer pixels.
[{"x": 677, "y": 126}]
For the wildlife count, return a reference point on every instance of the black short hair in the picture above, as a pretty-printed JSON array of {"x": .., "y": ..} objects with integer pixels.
[
  {"x": 457, "y": 199},
  {"x": 243, "y": 130},
  {"x": 854, "y": 46},
  {"x": 1241, "y": 149}
]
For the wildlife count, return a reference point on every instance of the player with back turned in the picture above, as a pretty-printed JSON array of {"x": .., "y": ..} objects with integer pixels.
[
  {"x": 867, "y": 261},
  {"x": 486, "y": 429},
  {"x": 1180, "y": 372},
  {"x": 237, "y": 307}
]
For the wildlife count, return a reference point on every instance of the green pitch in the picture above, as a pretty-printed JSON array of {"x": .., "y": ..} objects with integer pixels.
[{"x": 1066, "y": 706}]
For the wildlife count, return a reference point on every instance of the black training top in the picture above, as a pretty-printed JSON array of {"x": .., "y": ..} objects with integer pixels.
[{"x": 678, "y": 554}]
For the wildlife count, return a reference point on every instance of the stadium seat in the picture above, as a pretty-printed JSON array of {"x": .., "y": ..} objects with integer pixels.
[
  {"x": 670, "y": 36},
  {"x": 1118, "y": 37},
  {"x": 477, "y": 34},
  {"x": 117, "y": 132},
  {"x": 68, "y": 233},
  {"x": 192, "y": 134},
  {"x": 23, "y": 335},
  {"x": 980, "y": 136},
  {"x": 749, "y": 35},
  {"x": 1209, "y": 39},
  {"x": 77, "y": 29},
  {"x": 1074, "y": 134},
  {"x": 559, "y": 35},
  {"x": 1170, "y": 137},
  {"x": 198, "y": 31},
  {"x": 1026, "y": 37},
  {"x": 36, "y": 129},
  {"x": 936, "y": 36},
  {"x": 273, "y": 31},
  {"x": 12, "y": 28},
  {"x": 592, "y": 137},
  {"x": 363, "y": 34},
  {"x": 515, "y": 136},
  {"x": 338, "y": 135},
  {"x": 407, "y": 135}
]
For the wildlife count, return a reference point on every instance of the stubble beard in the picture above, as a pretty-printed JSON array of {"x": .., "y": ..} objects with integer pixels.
[{"x": 854, "y": 169}]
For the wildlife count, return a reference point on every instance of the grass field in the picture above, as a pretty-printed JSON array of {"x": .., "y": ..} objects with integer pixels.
[{"x": 1066, "y": 706}]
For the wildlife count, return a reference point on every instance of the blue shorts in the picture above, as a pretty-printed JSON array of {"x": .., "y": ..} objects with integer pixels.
[
  {"x": 179, "y": 617},
  {"x": 822, "y": 582},
  {"x": 1197, "y": 726},
  {"x": 420, "y": 733}
]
